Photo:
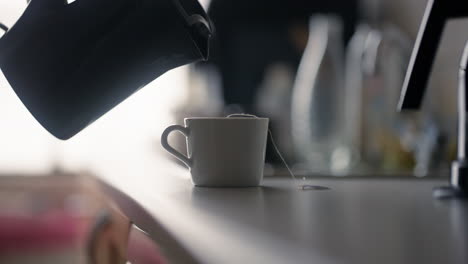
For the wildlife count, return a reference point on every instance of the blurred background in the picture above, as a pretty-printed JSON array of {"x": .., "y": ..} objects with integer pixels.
[{"x": 327, "y": 73}]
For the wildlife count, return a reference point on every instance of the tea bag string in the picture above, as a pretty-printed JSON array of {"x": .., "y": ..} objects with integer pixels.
[
  {"x": 296, "y": 181},
  {"x": 283, "y": 160}
]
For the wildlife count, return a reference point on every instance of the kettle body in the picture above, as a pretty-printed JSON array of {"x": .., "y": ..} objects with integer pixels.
[{"x": 70, "y": 63}]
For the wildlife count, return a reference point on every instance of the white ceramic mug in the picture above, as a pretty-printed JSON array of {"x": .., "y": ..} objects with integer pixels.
[{"x": 223, "y": 152}]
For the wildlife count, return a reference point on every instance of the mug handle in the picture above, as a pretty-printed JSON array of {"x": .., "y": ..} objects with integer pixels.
[{"x": 165, "y": 144}]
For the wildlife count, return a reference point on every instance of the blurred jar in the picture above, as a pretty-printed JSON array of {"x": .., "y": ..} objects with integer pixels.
[
  {"x": 318, "y": 100},
  {"x": 383, "y": 140}
]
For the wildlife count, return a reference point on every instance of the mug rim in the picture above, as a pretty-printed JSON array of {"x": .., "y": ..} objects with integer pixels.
[{"x": 226, "y": 118}]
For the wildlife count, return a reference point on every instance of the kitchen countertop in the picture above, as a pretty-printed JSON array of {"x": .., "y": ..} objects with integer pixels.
[{"x": 351, "y": 220}]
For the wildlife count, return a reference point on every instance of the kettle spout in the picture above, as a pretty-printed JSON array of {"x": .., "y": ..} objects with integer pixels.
[
  {"x": 201, "y": 34},
  {"x": 200, "y": 26}
]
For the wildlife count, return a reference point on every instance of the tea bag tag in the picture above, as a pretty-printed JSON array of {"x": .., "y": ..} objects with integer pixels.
[{"x": 300, "y": 187}]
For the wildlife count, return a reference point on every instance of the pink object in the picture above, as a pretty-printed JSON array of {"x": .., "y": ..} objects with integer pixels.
[{"x": 47, "y": 232}]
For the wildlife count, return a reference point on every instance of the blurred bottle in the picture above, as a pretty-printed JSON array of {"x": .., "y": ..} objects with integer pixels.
[
  {"x": 429, "y": 149},
  {"x": 274, "y": 101},
  {"x": 318, "y": 100},
  {"x": 377, "y": 57}
]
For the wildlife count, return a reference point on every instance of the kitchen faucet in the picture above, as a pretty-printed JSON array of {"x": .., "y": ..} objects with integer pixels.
[{"x": 436, "y": 15}]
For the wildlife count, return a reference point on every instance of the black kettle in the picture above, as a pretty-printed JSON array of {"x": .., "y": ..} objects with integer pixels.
[{"x": 70, "y": 63}]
